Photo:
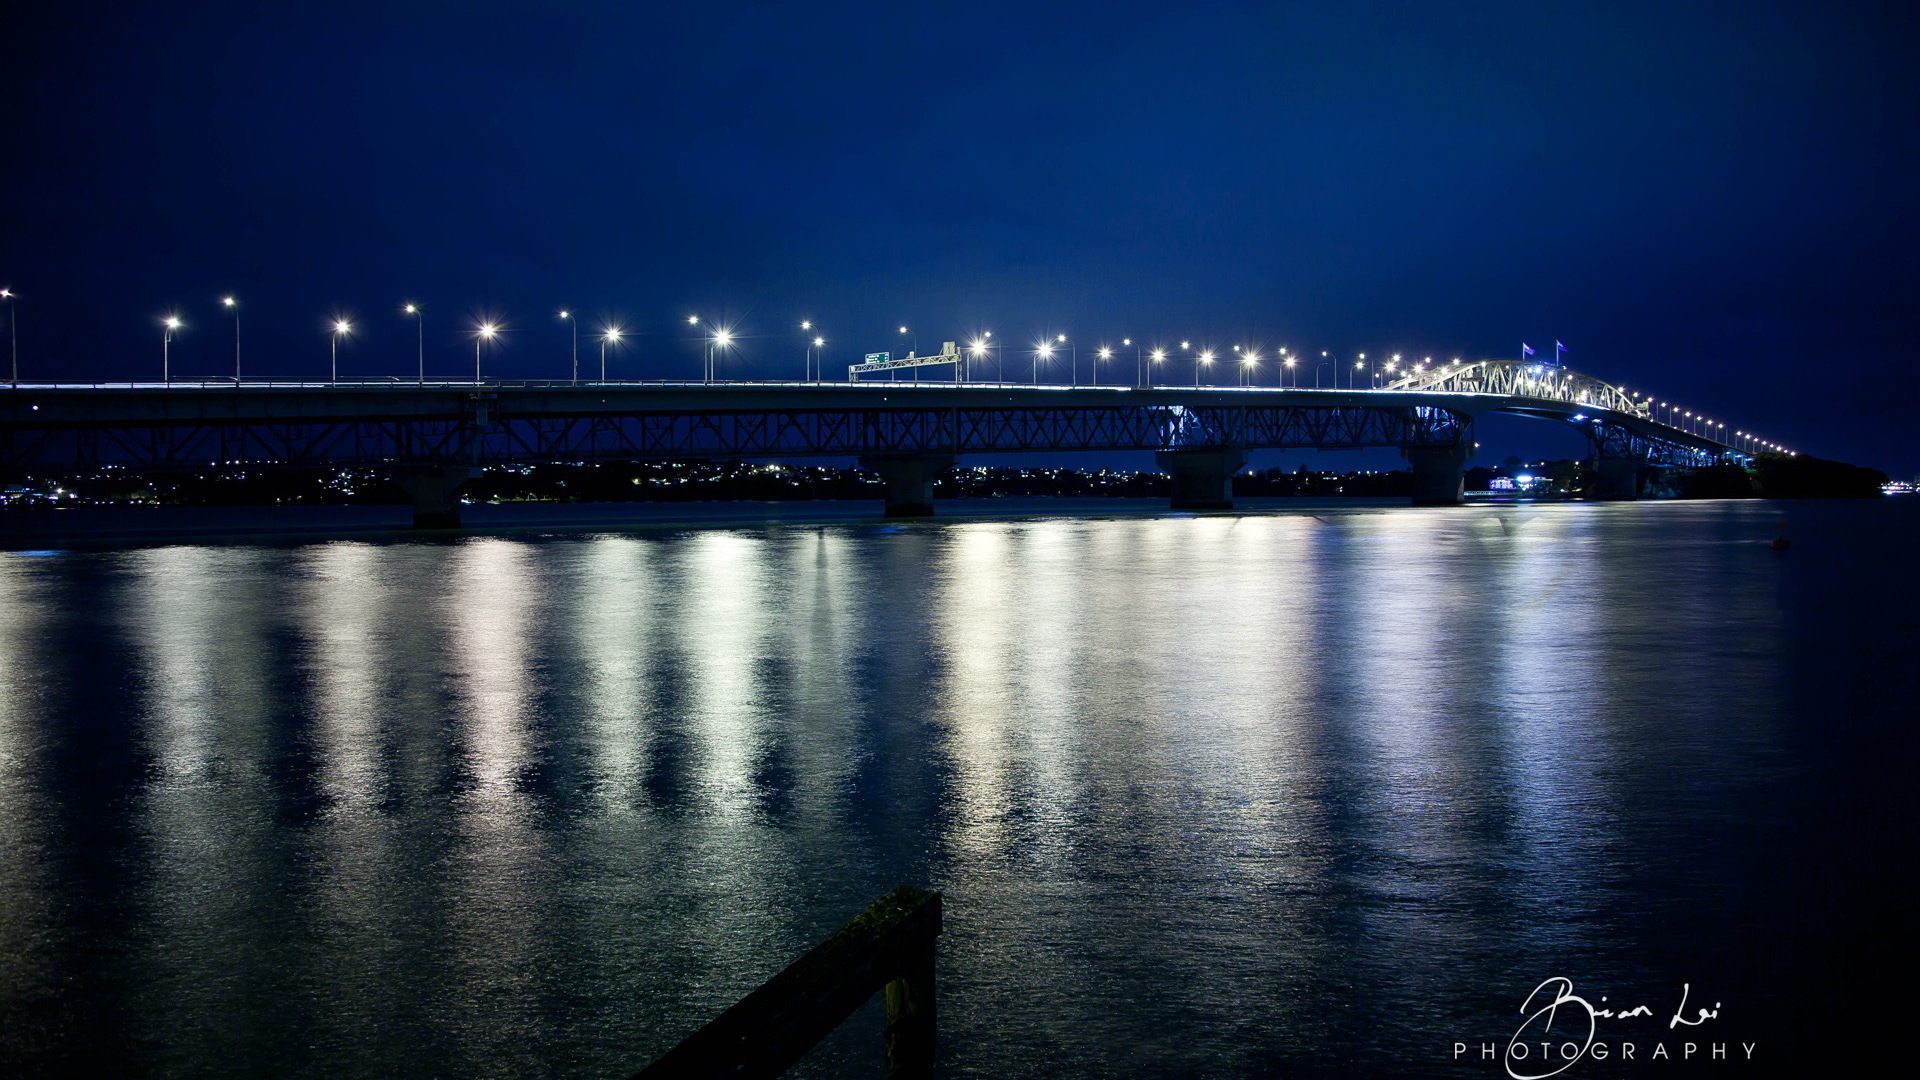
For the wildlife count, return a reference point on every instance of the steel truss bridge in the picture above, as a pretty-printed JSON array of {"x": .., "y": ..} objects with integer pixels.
[{"x": 442, "y": 431}]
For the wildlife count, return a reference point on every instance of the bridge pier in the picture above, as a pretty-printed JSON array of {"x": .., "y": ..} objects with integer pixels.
[
  {"x": 431, "y": 488},
  {"x": 1439, "y": 474},
  {"x": 909, "y": 479},
  {"x": 1202, "y": 478},
  {"x": 1618, "y": 478}
]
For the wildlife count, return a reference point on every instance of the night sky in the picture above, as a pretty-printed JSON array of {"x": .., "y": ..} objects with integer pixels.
[{"x": 1714, "y": 203}]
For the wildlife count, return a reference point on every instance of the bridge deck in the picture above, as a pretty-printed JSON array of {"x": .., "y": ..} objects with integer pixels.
[{"x": 283, "y": 422}]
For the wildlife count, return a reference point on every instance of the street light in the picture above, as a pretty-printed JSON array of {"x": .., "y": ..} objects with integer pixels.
[
  {"x": 913, "y": 337},
  {"x": 1158, "y": 356},
  {"x": 340, "y": 327},
  {"x": 574, "y": 324},
  {"x": 1074, "y": 352},
  {"x": 12, "y": 333},
  {"x": 1296, "y": 375},
  {"x": 170, "y": 324},
  {"x": 233, "y": 305},
  {"x": 1206, "y": 357},
  {"x": 1249, "y": 360},
  {"x": 1324, "y": 361},
  {"x": 1105, "y": 354},
  {"x": 720, "y": 340},
  {"x": 1044, "y": 352},
  {"x": 612, "y": 336},
  {"x": 420, "y": 334},
  {"x": 484, "y": 332},
  {"x": 813, "y": 346}
]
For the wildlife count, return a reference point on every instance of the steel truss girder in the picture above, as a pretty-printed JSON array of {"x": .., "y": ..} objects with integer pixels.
[
  {"x": 502, "y": 438},
  {"x": 1616, "y": 441},
  {"x": 1517, "y": 379}
]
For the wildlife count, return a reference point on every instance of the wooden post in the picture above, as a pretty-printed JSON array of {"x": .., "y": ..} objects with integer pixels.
[
  {"x": 890, "y": 945},
  {"x": 910, "y": 1019}
]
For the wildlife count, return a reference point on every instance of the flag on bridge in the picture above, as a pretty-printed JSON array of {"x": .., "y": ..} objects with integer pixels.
[
  {"x": 1526, "y": 350},
  {"x": 1557, "y": 350}
]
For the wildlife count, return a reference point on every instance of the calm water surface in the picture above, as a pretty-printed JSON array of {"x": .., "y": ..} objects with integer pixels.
[{"x": 1296, "y": 792}]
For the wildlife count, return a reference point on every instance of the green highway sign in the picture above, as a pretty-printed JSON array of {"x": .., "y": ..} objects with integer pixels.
[{"x": 879, "y": 357}]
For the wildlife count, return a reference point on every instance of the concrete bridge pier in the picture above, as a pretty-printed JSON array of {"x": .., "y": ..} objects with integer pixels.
[
  {"x": 431, "y": 487},
  {"x": 1618, "y": 478},
  {"x": 1202, "y": 478},
  {"x": 909, "y": 479},
  {"x": 1439, "y": 474}
]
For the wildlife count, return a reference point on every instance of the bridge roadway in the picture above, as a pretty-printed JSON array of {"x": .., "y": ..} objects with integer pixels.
[{"x": 432, "y": 437}]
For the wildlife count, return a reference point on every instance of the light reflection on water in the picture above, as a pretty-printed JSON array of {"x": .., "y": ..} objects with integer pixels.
[{"x": 1205, "y": 793}]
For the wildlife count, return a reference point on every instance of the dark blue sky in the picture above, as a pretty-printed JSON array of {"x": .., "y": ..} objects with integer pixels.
[{"x": 1712, "y": 202}]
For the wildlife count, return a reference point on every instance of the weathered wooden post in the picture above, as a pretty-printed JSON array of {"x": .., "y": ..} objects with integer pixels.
[
  {"x": 910, "y": 1016},
  {"x": 889, "y": 946}
]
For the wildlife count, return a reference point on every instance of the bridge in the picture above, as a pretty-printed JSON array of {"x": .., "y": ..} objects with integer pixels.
[{"x": 431, "y": 437}]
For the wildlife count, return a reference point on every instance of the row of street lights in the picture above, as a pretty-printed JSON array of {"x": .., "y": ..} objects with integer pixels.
[{"x": 1697, "y": 424}]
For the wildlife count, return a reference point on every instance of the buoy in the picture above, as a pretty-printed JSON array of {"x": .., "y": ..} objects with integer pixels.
[{"x": 1780, "y": 542}]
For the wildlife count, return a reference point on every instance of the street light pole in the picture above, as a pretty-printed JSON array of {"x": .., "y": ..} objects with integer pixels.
[
  {"x": 171, "y": 324},
  {"x": 420, "y": 336},
  {"x": 340, "y": 326},
  {"x": 13, "y": 334},
  {"x": 574, "y": 325},
  {"x": 485, "y": 333},
  {"x": 233, "y": 305},
  {"x": 612, "y": 335}
]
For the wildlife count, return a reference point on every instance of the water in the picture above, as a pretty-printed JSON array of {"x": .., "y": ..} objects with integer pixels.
[{"x": 1296, "y": 792}]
